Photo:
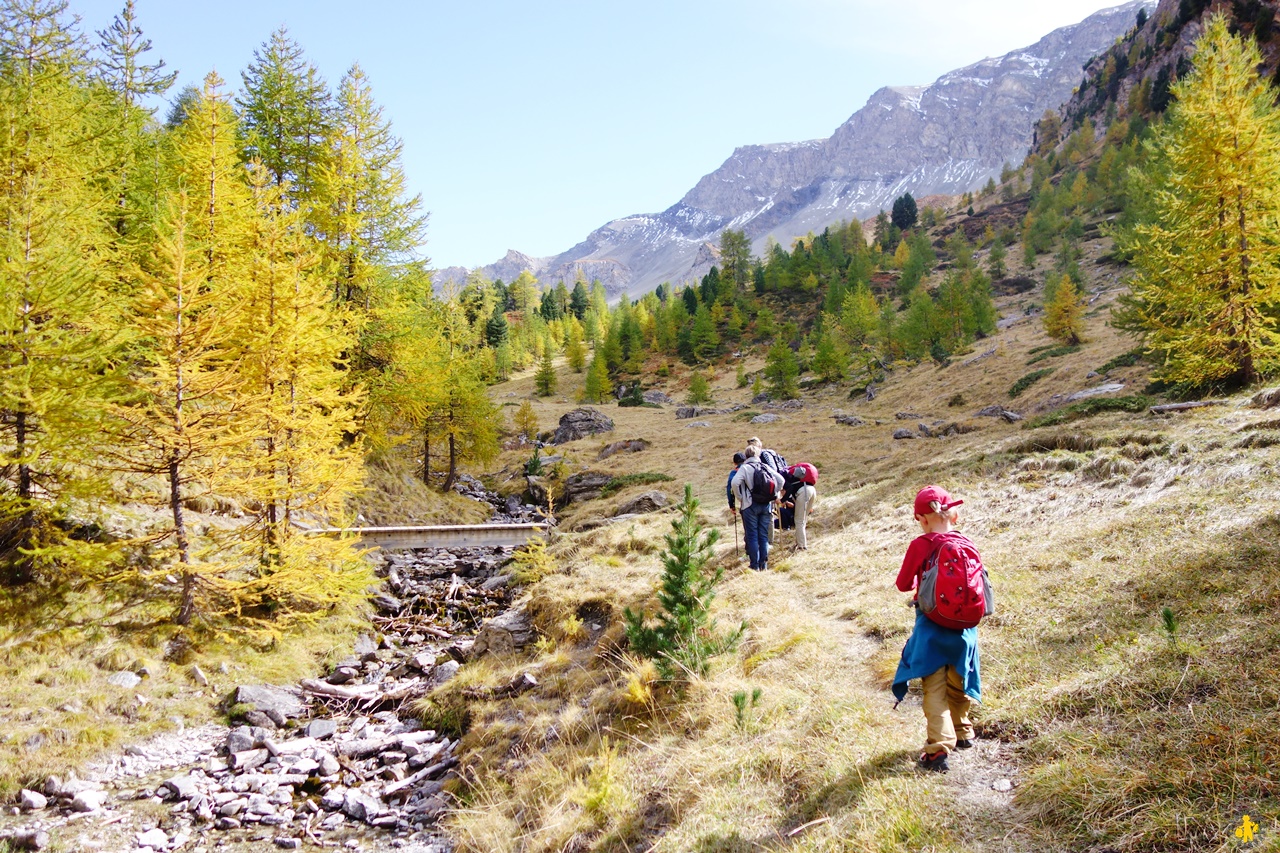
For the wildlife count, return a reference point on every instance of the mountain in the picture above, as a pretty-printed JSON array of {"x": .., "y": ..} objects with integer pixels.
[{"x": 945, "y": 138}]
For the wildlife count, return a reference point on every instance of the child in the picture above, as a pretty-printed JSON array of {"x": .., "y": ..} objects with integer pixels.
[{"x": 945, "y": 658}]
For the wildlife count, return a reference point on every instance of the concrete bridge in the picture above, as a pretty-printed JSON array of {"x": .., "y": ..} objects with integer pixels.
[{"x": 440, "y": 535}]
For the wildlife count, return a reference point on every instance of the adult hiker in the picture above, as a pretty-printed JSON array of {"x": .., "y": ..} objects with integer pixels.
[
  {"x": 728, "y": 492},
  {"x": 772, "y": 460},
  {"x": 945, "y": 658},
  {"x": 800, "y": 492},
  {"x": 755, "y": 487}
]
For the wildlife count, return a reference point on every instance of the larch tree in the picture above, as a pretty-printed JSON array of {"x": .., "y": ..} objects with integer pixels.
[
  {"x": 286, "y": 116},
  {"x": 1064, "y": 313},
  {"x": 363, "y": 215},
  {"x": 56, "y": 340},
  {"x": 182, "y": 421},
  {"x": 122, "y": 66},
  {"x": 295, "y": 466},
  {"x": 1206, "y": 243}
]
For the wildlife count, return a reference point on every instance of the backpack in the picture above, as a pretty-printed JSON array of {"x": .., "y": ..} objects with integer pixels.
[
  {"x": 764, "y": 485},
  {"x": 773, "y": 460},
  {"x": 954, "y": 589},
  {"x": 806, "y": 472}
]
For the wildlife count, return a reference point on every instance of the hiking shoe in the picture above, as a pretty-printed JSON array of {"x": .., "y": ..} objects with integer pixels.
[
  {"x": 964, "y": 744},
  {"x": 936, "y": 761}
]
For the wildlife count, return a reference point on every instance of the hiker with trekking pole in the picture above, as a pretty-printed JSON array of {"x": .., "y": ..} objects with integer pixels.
[
  {"x": 728, "y": 491},
  {"x": 756, "y": 487}
]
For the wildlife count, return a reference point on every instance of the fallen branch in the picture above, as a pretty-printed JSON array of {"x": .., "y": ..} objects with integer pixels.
[
  {"x": 337, "y": 691},
  {"x": 1180, "y": 407}
]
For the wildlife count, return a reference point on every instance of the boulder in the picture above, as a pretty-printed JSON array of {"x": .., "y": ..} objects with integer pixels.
[
  {"x": 849, "y": 420},
  {"x": 266, "y": 698},
  {"x": 647, "y": 502},
  {"x": 88, "y": 801},
  {"x": 903, "y": 432},
  {"x": 581, "y": 423},
  {"x": 127, "y": 680},
  {"x": 998, "y": 411},
  {"x": 656, "y": 397},
  {"x": 585, "y": 486},
  {"x": 1109, "y": 388},
  {"x": 179, "y": 788},
  {"x": 32, "y": 801},
  {"x": 765, "y": 419},
  {"x": 503, "y": 634},
  {"x": 635, "y": 445}
]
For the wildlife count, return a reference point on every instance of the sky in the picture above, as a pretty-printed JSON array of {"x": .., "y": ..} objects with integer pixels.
[{"x": 526, "y": 125}]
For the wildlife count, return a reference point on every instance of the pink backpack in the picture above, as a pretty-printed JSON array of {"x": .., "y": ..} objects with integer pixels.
[
  {"x": 805, "y": 471},
  {"x": 954, "y": 588}
]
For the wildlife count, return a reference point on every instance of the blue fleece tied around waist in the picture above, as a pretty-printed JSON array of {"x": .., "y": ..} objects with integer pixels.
[{"x": 931, "y": 647}]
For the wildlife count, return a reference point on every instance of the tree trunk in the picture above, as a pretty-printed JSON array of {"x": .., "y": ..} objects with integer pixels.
[
  {"x": 19, "y": 570},
  {"x": 188, "y": 605},
  {"x": 426, "y": 457},
  {"x": 453, "y": 464}
]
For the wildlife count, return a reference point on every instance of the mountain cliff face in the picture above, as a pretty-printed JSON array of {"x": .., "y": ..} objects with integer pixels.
[{"x": 948, "y": 137}]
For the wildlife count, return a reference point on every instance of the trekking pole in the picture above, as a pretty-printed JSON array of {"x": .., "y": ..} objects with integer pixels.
[{"x": 735, "y": 536}]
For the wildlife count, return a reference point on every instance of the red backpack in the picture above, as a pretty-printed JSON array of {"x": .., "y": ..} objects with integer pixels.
[
  {"x": 804, "y": 471},
  {"x": 954, "y": 589}
]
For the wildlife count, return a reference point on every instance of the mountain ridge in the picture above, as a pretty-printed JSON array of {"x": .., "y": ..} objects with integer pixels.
[{"x": 947, "y": 137}]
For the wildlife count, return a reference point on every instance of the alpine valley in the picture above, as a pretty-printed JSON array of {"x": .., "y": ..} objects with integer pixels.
[{"x": 945, "y": 138}]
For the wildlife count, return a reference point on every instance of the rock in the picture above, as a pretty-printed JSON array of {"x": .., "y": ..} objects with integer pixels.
[
  {"x": 266, "y": 698},
  {"x": 581, "y": 423},
  {"x": 365, "y": 645},
  {"x": 333, "y": 799},
  {"x": 760, "y": 398},
  {"x": 765, "y": 419},
  {"x": 998, "y": 411},
  {"x": 28, "y": 839},
  {"x": 343, "y": 675},
  {"x": 240, "y": 739},
  {"x": 635, "y": 445},
  {"x": 284, "y": 842},
  {"x": 907, "y": 416},
  {"x": 656, "y": 397},
  {"x": 423, "y": 661},
  {"x": 647, "y": 502},
  {"x": 179, "y": 788},
  {"x": 35, "y": 742},
  {"x": 321, "y": 729},
  {"x": 248, "y": 759},
  {"x": 586, "y": 486},
  {"x": 903, "y": 432},
  {"x": 328, "y": 765},
  {"x": 127, "y": 680},
  {"x": 156, "y": 839},
  {"x": 1265, "y": 399},
  {"x": 1002, "y": 785},
  {"x": 31, "y": 801},
  {"x": 259, "y": 719},
  {"x": 849, "y": 420},
  {"x": 387, "y": 603},
  {"x": 226, "y": 823},
  {"x": 444, "y": 672},
  {"x": 698, "y": 425},
  {"x": 496, "y": 582},
  {"x": 1109, "y": 388},
  {"x": 505, "y": 633},
  {"x": 196, "y": 674},
  {"x": 89, "y": 801},
  {"x": 358, "y": 805}
]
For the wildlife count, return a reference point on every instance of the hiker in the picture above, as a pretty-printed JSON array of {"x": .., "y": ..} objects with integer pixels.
[
  {"x": 801, "y": 492},
  {"x": 755, "y": 487},
  {"x": 945, "y": 658},
  {"x": 728, "y": 486},
  {"x": 773, "y": 460}
]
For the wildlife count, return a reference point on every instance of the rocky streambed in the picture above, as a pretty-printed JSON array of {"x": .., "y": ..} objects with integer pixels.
[{"x": 338, "y": 761}]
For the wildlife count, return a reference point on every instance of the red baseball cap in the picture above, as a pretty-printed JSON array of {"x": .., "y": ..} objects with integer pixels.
[{"x": 933, "y": 493}]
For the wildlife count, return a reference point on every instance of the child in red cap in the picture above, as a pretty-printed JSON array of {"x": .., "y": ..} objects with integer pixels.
[{"x": 946, "y": 659}]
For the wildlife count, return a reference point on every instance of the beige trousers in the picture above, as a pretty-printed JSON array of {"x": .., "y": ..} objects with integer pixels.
[
  {"x": 946, "y": 710},
  {"x": 805, "y": 497}
]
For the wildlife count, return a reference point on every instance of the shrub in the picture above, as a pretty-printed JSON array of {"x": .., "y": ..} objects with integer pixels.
[
  {"x": 643, "y": 478},
  {"x": 1094, "y": 406},
  {"x": 1127, "y": 359},
  {"x": 1027, "y": 381},
  {"x": 1052, "y": 352}
]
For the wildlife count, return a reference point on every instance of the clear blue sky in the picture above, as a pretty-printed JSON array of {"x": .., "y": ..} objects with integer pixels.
[{"x": 528, "y": 124}]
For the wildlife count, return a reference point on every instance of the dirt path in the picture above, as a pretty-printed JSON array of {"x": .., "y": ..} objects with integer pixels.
[{"x": 983, "y": 778}]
